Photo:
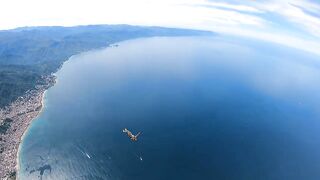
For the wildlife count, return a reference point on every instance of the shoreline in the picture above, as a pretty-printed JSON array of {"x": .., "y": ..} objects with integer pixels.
[
  {"x": 26, "y": 130},
  {"x": 19, "y": 115},
  {"x": 10, "y": 170}
]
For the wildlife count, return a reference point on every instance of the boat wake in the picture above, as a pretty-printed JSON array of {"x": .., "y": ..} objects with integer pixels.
[{"x": 83, "y": 152}]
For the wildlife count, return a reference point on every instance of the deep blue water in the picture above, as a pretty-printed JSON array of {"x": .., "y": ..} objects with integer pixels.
[{"x": 208, "y": 108}]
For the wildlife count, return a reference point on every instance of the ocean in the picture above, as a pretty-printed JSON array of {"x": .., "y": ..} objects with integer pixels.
[{"x": 208, "y": 107}]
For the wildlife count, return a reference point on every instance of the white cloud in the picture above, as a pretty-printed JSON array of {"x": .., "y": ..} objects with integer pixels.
[
  {"x": 311, "y": 46},
  {"x": 293, "y": 12},
  {"x": 244, "y": 8},
  {"x": 298, "y": 16}
]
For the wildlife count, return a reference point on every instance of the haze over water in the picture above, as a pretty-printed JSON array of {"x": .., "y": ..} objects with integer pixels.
[{"x": 208, "y": 108}]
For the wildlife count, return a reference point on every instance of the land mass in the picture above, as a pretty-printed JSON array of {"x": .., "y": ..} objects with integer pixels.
[{"x": 28, "y": 58}]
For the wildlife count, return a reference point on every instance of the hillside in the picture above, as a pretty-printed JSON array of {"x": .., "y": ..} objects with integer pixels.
[{"x": 29, "y": 54}]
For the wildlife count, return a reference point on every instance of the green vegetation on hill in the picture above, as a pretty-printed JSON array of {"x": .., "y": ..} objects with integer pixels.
[{"x": 28, "y": 54}]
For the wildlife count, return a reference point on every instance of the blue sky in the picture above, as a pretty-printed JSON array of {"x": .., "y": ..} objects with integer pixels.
[{"x": 295, "y": 23}]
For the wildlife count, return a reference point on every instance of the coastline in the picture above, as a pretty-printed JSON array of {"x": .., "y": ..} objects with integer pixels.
[
  {"x": 26, "y": 130},
  {"x": 19, "y": 116},
  {"x": 9, "y": 169},
  {"x": 32, "y": 103},
  {"x": 15, "y": 118},
  {"x": 22, "y": 112}
]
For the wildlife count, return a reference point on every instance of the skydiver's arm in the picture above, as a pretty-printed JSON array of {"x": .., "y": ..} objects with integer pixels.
[{"x": 138, "y": 134}]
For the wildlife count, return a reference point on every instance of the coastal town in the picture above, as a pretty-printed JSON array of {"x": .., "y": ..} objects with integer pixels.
[{"x": 14, "y": 121}]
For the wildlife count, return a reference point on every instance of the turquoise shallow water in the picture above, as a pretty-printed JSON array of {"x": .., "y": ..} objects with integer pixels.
[{"x": 208, "y": 108}]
